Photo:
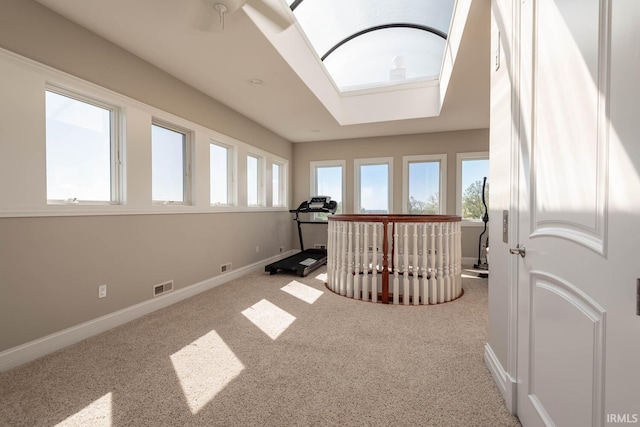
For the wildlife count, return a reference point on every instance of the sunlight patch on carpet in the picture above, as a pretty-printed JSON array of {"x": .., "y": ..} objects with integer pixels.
[
  {"x": 322, "y": 277},
  {"x": 271, "y": 319},
  {"x": 97, "y": 413},
  {"x": 204, "y": 368},
  {"x": 302, "y": 291}
]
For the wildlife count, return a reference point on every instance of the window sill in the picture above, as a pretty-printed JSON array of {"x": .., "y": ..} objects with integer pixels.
[{"x": 102, "y": 210}]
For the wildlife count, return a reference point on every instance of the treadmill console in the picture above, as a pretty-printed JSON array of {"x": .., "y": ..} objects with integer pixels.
[{"x": 317, "y": 204}]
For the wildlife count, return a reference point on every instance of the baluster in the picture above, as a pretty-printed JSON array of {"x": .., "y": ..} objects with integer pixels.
[
  {"x": 405, "y": 264},
  {"x": 459, "y": 258},
  {"x": 432, "y": 274},
  {"x": 339, "y": 258},
  {"x": 339, "y": 264},
  {"x": 356, "y": 276},
  {"x": 365, "y": 262},
  {"x": 457, "y": 261},
  {"x": 385, "y": 263},
  {"x": 349, "y": 289},
  {"x": 452, "y": 258},
  {"x": 447, "y": 260},
  {"x": 440, "y": 261},
  {"x": 416, "y": 280},
  {"x": 374, "y": 264},
  {"x": 424, "y": 287},
  {"x": 331, "y": 252},
  {"x": 396, "y": 264}
]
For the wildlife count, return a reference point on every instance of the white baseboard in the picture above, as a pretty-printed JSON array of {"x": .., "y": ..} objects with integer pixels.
[
  {"x": 503, "y": 380},
  {"x": 32, "y": 350}
]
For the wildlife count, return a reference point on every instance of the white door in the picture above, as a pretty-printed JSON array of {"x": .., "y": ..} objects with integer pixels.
[{"x": 578, "y": 358}]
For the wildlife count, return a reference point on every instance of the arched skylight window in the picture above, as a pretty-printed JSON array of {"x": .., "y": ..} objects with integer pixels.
[{"x": 372, "y": 43}]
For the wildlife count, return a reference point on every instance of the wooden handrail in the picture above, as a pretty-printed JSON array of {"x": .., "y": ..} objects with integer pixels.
[{"x": 394, "y": 218}]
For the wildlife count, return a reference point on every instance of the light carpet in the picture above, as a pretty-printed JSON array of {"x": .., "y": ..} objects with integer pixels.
[{"x": 249, "y": 353}]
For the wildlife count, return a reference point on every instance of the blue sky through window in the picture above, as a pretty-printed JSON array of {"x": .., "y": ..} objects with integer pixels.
[
  {"x": 219, "y": 184},
  {"x": 78, "y": 149},
  {"x": 329, "y": 183},
  {"x": 424, "y": 181},
  {"x": 474, "y": 170},
  {"x": 374, "y": 188},
  {"x": 275, "y": 171},
  {"x": 252, "y": 181},
  {"x": 167, "y": 164}
]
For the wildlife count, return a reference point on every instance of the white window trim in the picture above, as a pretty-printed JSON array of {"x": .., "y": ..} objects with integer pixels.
[
  {"x": 460, "y": 157},
  {"x": 115, "y": 143},
  {"x": 282, "y": 184},
  {"x": 356, "y": 179},
  {"x": 232, "y": 161},
  {"x": 187, "y": 162},
  {"x": 261, "y": 180},
  {"x": 442, "y": 189},
  {"x": 313, "y": 188},
  {"x": 134, "y": 173}
]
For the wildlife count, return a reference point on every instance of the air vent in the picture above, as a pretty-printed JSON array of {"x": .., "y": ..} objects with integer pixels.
[
  {"x": 225, "y": 267},
  {"x": 162, "y": 288}
]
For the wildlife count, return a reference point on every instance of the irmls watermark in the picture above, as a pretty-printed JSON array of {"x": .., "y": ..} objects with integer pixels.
[{"x": 623, "y": 418}]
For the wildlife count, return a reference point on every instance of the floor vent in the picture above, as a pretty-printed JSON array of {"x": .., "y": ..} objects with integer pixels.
[
  {"x": 225, "y": 267},
  {"x": 162, "y": 288}
]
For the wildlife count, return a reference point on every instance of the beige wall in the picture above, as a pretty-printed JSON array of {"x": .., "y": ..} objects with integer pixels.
[
  {"x": 449, "y": 143},
  {"x": 50, "y": 267}
]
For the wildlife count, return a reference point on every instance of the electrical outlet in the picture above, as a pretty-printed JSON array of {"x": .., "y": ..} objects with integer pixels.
[
  {"x": 281, "y": 249},
  {"x": 102, "y": 291},
  {"x": 257, "y": 249}
]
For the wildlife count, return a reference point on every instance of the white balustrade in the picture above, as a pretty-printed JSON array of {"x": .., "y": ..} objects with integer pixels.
[{"x": 421, "y": 253}]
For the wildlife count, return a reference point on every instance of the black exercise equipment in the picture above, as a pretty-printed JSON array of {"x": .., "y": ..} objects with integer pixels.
[
  {"x": 480, "y": 265},
  {"x": 307, "y": 260}
]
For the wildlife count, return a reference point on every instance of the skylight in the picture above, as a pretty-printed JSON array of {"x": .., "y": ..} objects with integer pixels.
[{"x": 374, "y": 43}]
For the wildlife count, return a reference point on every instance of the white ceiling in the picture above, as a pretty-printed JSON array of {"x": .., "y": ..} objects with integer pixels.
[{"x": 221, "y": 63}]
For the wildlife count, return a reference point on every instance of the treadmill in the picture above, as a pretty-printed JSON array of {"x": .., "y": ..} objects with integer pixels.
[{"x": 306, "y": 260}]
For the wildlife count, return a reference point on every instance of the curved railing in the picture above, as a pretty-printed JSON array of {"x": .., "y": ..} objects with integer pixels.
[{"x": 421, "y": 253}]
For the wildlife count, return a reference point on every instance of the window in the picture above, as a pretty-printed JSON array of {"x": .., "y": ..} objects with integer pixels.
[
  {"x": 424, "y": 184},
  {"x": 472, "y": 169},
  {"x": 255, "y": 188},
  {"x": 82, "y": 149},
  {"x": 371, "y": 44},
  {"x": 278, "y": 187},
  {"x": 327, "y": 179},
  {"x": 169, "y": 164},
  {"x": 221, "y": 162},
  {"x": 373, "y": 185}
]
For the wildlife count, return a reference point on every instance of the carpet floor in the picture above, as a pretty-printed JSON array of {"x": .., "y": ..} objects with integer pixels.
[{"x": 270, "y": 351}]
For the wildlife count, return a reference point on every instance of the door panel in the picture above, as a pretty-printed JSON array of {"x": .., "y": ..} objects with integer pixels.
[
  {"x": 569, "y": 142},
  {"x": 562, "y": 215},
  {"x": 568, "y": 387}
]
